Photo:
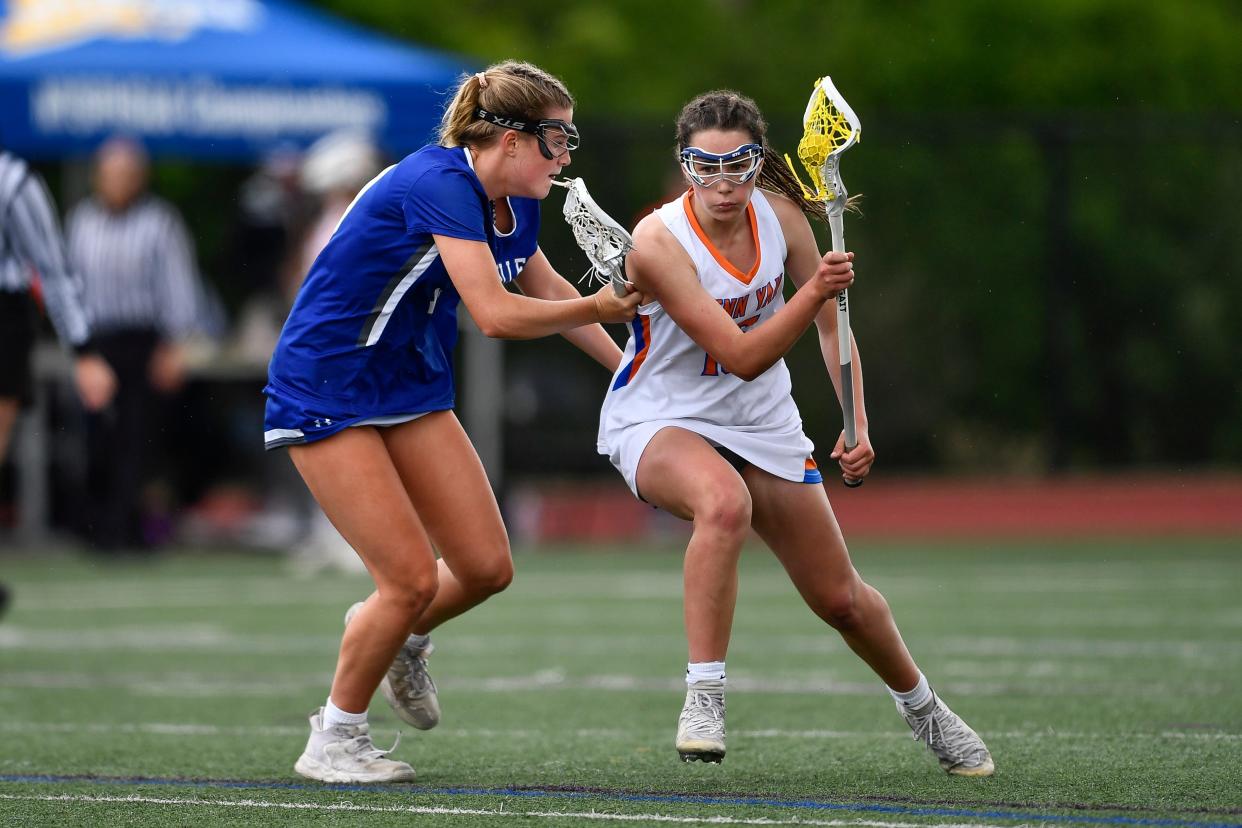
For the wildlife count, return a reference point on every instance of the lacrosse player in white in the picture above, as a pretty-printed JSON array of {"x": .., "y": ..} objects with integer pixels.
[{"x": 700, "y": 419}]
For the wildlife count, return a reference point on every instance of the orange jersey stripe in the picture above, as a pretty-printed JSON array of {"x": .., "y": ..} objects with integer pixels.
[
  {"x": 745, "y": 278},
  {"x": 642, "y": 353}
]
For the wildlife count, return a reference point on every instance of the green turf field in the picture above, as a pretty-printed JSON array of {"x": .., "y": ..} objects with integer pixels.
[{"x": 1106, "y": 677}]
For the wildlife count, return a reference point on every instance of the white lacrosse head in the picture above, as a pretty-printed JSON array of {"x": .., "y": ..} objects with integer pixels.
[
  {"x": 602, "y": 239},
  {"x": 847, "y": 134}
]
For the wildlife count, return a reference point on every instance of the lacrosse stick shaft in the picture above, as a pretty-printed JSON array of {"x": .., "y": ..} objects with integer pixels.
[{"x": 844, "y": 344}]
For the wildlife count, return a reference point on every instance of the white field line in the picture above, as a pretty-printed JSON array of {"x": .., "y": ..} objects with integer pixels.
[
  {"x": 148, "y": 642},
  {"x": 1126, "y": 618},
  {"x": 988, "y": 646},
  {"x": 1061, "y": 582},
  {"x": 209, "y": 685},
  {"x": 491, "y": 812},
  {"x": 266, "y": 590},
  {"x": 166, "y": 638},
  {"x": 572, "y": 590},
  {"x": 209, "y": 637},
  {"x": 190, "y": 684},
  {"x": 182, "y": 730}
]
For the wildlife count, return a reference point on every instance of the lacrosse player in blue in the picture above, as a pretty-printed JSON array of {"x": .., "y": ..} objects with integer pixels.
[{"x": 360, "y": 387}]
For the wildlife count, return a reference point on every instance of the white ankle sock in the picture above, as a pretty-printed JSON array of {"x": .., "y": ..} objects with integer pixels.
[
  {"x": 333, "y": 715},
  {"x": 916, "y": 697},
  {"x": 705, "y": 671}
]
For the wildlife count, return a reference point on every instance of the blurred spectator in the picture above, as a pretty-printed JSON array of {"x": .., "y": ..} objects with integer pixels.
[
  {"x": 335, "y": 169},
  {"x": 144, "y": 300},
  {"x": 31, "y": 244},
  {"x": 272, "y": 213}
]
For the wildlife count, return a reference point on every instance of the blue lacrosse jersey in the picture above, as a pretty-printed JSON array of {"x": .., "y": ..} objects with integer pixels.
[{"x": 372, "y": 330}]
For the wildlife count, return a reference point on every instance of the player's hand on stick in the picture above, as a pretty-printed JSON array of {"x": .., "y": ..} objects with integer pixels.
[
  {"x": 835, "y": 273},
  {"x": 855, "y": 463},
  {"x": 613, "y": 308}
]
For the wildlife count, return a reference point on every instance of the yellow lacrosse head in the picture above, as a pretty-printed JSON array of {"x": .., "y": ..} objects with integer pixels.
[{"x": 829, "y": 128}]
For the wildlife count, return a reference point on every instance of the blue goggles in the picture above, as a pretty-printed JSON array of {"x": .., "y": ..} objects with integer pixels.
[{"x": 707, "y": 168}]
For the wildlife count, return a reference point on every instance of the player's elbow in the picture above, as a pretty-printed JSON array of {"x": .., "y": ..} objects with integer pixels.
[
  {"x": 495, "y": 325},
  {"x": 747, "y": 376},
  {"x": 747, "y": 368},
  {"x": 493, "y": 328}
]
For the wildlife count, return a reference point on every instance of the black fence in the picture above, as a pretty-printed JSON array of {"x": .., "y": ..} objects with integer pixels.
[{"x": 1034, "y": 294}]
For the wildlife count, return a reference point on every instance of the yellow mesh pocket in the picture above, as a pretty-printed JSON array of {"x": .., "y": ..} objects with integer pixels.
[{"x": 825, "y": 130}]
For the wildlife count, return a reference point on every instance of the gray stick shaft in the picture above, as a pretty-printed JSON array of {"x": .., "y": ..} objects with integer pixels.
[
  {"x": 844, "y": 345},
  {"x": 847, "y": 404}
]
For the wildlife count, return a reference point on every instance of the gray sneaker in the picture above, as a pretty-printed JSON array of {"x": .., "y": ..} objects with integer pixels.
[
  {"x": 960, "y": 750},
  {"x": 407, "y": 686},
  {"x": 345, "y": 753},
  {"x": 701, "y": 728}
]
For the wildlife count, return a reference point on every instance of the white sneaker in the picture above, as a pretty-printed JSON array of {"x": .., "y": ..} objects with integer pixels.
[
  {"x": 345, "y": 753},
  {"x": 960, "y": 750},
  {"x": 701, "y": 727},
  {"x": 407, "y": 686}
]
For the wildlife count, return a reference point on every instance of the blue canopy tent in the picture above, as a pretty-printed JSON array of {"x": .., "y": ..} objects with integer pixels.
[{"x": 210, "y": 79}]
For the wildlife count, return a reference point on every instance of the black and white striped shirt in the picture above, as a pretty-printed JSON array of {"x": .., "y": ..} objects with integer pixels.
[
  {"x": 31, "y": 242},
  {"x": 137, "y": 267}
]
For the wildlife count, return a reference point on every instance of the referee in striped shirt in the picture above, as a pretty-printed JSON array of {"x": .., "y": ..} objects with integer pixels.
[
  {"x": 142, "y": 294},
  {"x": 31, "y": 245}
]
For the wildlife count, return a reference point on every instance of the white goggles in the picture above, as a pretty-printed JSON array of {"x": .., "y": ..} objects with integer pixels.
[{"x": 707, "y": 168}]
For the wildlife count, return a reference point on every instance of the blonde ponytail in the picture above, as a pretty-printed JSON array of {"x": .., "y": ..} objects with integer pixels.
[{"x": 511, "y": 88}]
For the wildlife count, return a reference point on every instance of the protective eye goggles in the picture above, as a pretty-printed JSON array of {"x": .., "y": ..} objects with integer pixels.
[
  {"x": 708, "y": 168},
  {"x": 556, "y": 137}
]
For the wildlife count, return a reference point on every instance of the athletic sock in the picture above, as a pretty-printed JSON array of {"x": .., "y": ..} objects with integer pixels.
[
  {"x": 418, "y": 642},
  {"x": 333, "y": 715},
  {"x": 705, "y": 671},
  {"x": 915, "y": 698}
]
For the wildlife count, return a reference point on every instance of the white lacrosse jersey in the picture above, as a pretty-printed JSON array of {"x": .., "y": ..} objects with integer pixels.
[{"x": 666, "y": 379}]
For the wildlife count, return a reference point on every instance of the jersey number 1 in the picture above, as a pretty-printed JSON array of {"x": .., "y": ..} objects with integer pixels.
[{"x": 712, "y": 368}]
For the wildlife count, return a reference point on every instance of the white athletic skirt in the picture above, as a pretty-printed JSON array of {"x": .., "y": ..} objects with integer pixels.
[{"x": 784, "y": 451}]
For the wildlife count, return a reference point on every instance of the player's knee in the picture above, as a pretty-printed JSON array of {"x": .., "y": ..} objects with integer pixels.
[
  {"x": 489, "y": 577},
  {"x": 727, "y": 511},
  {"x": 497, "y": 577},
  {"x": 839, "y": 608},
  {"x": 413, "y": 594}
]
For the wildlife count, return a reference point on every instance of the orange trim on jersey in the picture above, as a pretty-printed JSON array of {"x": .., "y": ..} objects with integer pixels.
[
  {"x": 641, "y": 333},
  {"x": 744, "y": 278},
  {"x": 810, "y": 473},
  {"x": 641, "y": 356}
]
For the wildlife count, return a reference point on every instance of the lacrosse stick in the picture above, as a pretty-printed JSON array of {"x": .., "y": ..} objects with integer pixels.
[
  {"x": 830, "y": 127},
  {"x": 603, "y": 240}
]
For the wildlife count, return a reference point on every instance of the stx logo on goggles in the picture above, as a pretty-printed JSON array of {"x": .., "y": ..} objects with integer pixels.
[
  {"x": 499, "y": 120},
  {"x": 556, "y": 137}
]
